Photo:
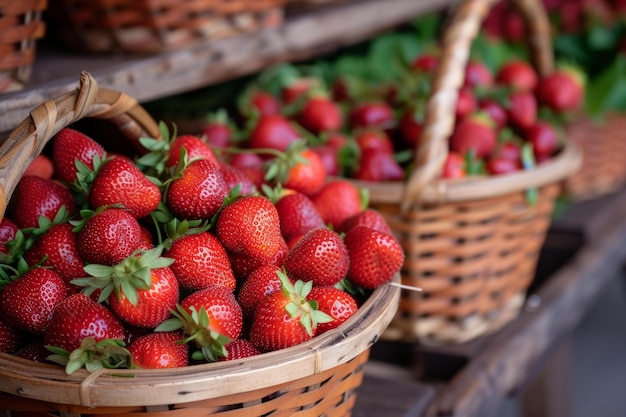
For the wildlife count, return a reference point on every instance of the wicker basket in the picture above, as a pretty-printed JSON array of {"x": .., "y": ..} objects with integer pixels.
[
  {"x": 603, "y": 145},
  {"x": 21, "y": 26},
  {"x": 319, "y": 377},
  {"x": 471, "y": 244},
  {"x": 148, "y": 26}
]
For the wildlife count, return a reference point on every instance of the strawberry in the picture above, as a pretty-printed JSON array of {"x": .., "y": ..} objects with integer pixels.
[
  {"x": 34, "y": 351},
  {"x": 200, "y": 261},
  {"x": 477, "y": 74},
  {"x": 198, "y": 193},
  {"x": 140, "y": 290},
  {"x": 522, "y": 110},
  {"x": 243, "y": 264},
  {"x": 510, "y": 149},
  {"x": 411, "y": 124},
  {"x": 250, "y": 226},
  {"x": 453, "y": 166},
  {"x": 297, "y": 215},
  {"x": 218, "y": 131},
  {"x": 518, "y": 75},
  {"x": 8, "y": 231},
  {"x": 195, "y": 147},
  {"x": 320, "y": 114},
  {"x": 368, "y": 217},
  {"x": 298, "y": 88},
  {"x": 273, "y": 132},
  {"x": 375, "y": 257},
  {"x": 371, "y": 114},
  {"x": 119, "y": 181},
  {"x": 78, "y": 317},
  {"x": 159, "y": 350},
  {"x": 374, "y": 139},
  {"x": 27, "y": 301},
  {"x": 378, "y": 166},
  {"x": 475, "y": 132},
  {"x": 285, "y": 318},
  {"x": 336, "y": 303},
  {"x": 320, "y": 256},
  {"x": 259, "y": 284},
  {"x": 338, "y": 200},
  {"x": 466, "y": 103},
  {"x": 69, "y": 146},
  {"x": 59, "y": 247},
  {"x": 496, "y": 111},
  {"x": 234, "y": 177},
  {"x": 498, "y": 165},
  {"x": 265, "y": 103},
  {"x": 41, "y": 166},
  {"x": 307, "y": 175},
  {"x": 35, "y": 196},
  {"x": 107, "y": 236},
  {"x": 426, "y": 62},
  {"x": 329, "y": 158},
  {"x": 563, "y": 90},
  {"x": 543, "y": 138},
  {"x": 10, "y": 338},
  {"x": 239, "y": 349},
  {"x": 210, "y": 318}
]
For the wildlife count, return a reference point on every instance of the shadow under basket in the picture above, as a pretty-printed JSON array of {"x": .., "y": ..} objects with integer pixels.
[
  {"x": 603, "y": 146},
  {"x": 319, "y": 377},
  {"x": 471, "y": 244}
]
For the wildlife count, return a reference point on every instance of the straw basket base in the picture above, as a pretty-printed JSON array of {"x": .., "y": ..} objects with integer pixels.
[{"x": 436, "y": 331}]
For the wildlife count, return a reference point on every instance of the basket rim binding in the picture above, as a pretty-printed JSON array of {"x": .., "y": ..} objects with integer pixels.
[
  {"x": 423, "y": 184},
  {"x": 146, "y": 387}
]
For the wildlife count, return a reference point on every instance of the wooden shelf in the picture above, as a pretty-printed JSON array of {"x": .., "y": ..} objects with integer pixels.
[{"x": 303, "y": 35}]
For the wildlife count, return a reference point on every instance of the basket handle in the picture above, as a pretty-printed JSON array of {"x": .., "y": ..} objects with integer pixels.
[
  {"x": 28, "y": 139},
  {"x": 463, "y": 26}
]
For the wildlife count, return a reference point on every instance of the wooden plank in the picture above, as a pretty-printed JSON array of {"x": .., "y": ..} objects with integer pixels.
[
  {"x": 302, "y": 36},
  {"x": 558, "y": 306}
]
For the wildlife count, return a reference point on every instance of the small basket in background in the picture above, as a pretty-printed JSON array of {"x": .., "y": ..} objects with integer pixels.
[
  {"x": 21, "y": 25},
  {"x": 471, "y": 244},
  {"x": 148, "y": 26},
  {"x": 603, "y": 145}
]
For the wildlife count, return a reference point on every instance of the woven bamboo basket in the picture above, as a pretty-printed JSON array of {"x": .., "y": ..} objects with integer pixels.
[
  {"x": 603, "y": 146},
  {"x": 21, "y": 25},
  {"x": 319, "y": 377},
  {"x": 471, "y": 244},
  {"x": 148, "y": 26}
]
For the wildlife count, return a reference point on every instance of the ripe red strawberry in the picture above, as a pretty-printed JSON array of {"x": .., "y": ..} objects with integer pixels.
[
  {"x": 194, "y": 146},
  {"x": 298, "y": 88},
  {"x": 35, "y": 196},
  {"x": 563, "y": 90},
  {"x": 78, "y": 317},
  {"x": 543, "y": 138},
  {"x": 234, "y": 177},
  {"x": 466, "y": 103},
  {"x": 320, "y": 114},
  {"x": 239, "y": 349},
  {"x": 244, "y": 264},
  {"x": 27, "y": 301},
  {"x": 285, "y": 318},
  {"x": 329, "y": 158},
  {"x": 159, "y": 350},
  {"x": 210, "y": 318},
  {"x": 200, "y": 261},
  {"x": 498, "y": 165},
  {"x": 297, "y": 215},
  {"x": 522, "y": 110},
  {"x": 10, "y": 338},
  {"x": 250, "y": 226},
  {"x": 368, "y": 217},
  {"x": 108, "y": 236},
  {"x": 375, "y": 257},
  {"x": 374, "y": 139},
  {"x": 320, "y": 256},
  {"x": 273, "y": 132},
  {"x": 519, "y": 75},
  {"x": 336, "y": 303},
  {"x": 34, "y": 351},
  {"x": 307, "y": 175},
  {"x": 371, "y": 114},
  {"x": 119, "y": 181},
  {"x": 338, "y": 200},
  {"x": 453, "y": 166},
  {"x": 259, "y": 284},
  {"x": 496, "y": 111},
  {"x": 510, "y": 149},
  {"x": 378, "y": 166},
  {"x": 426, "y": 62},
  {"x": 411, "y": 124},
  {"x": 59, "y": 246},
  {"x": 8, "y": 231},
  {"x": 218, "y": 130},
  {"x": 41, "y": 167},
  {"x": 265, "y": 103},
  {"x": 477, "y": 74},
  {"x": 198, "y": 193},
  {"x": 475, "y": 132},
  {"x": 70, "y": 145}
]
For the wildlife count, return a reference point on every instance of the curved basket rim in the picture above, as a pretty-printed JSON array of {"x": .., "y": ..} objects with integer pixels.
[
  {"x": 152, "y": 387},
  {"x": 473, "y": 188}
]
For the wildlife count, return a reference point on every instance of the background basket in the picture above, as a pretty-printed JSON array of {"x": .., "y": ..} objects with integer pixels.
[
  {"x": 315, "y": 378},
  {"x": 148, "y": 26},
  {"x": 21, "y": 25},
  {"x": 471, "y": 244},
  {"x": 603, "y": 145}
]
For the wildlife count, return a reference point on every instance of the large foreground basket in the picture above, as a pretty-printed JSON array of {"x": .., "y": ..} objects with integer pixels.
[
  {"x": 603, "y": 146},
  {"x": 148, "y": 26},
  {"x": 316, "y": 378},
  {"x": 21, "y": 25},
  {"x": 471, "y": 244}
]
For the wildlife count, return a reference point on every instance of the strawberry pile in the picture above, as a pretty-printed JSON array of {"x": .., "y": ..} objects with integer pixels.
[{"x": 178, "y": 257}]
